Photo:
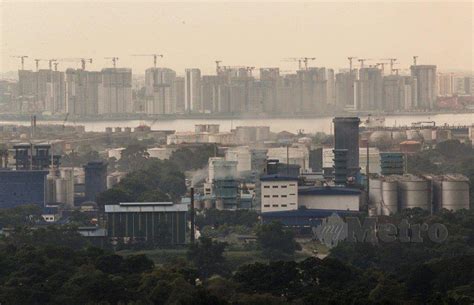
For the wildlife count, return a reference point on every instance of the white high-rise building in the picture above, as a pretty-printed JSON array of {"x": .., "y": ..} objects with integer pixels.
[
  {"x": 427, "y": 89},
  {"x": 192, "y": 91},
  {"x": 160, "y": 90}
]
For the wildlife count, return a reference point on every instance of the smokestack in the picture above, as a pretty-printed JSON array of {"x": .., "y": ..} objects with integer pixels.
[{"x": 192, "y": 214}]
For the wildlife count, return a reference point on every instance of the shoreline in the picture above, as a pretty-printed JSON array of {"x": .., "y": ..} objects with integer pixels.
[{"x": 199, "y": 116}]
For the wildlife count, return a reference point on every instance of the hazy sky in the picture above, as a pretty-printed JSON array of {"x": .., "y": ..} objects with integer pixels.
[{"x": 246, "y": 33}]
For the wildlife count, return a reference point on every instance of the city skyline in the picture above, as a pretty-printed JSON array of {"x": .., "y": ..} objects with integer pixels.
[{"x": 193, "y": 39}]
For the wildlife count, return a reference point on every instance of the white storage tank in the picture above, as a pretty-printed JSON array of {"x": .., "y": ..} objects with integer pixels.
[
  {"x": 375, "y": 194},
  {"x": 414, "y": 135},
  {"x": 414, "y": 192},
  {"x": 51, "y": 188},
  {"x": 451, "y": 192},
  {"x": 389, "y": 197},
  {"x": 427, "y": 135}
]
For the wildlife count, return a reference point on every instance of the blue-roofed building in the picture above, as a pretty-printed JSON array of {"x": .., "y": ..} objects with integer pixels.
[
  {"x": 329, "y": 198},
  {"x": 302, "y": 218}
]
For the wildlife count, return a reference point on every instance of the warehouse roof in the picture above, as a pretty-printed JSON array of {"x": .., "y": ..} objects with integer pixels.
[
  {"x": 128, "y": 207},
  {"x": 327, "y": 191}
]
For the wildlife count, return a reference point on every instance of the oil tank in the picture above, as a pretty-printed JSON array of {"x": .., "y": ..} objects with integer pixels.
[
  {"x": 398, "y": 136},
  {"x": 208, "y": 204},
  {"x": 61, "y": 190},
  {"x": 381, "y": 137},
  {"x": 414, "y": 192},
  {"x": 375, "y": 193},
  {"x": 427, "y": 135},
  {"x": 51, "y": 189},
  {"x": 413, "y": 134},
  {"x": 451, "y": 192},
  {"x": 389, "y": 197},
  {"x": 213, "y": 128}
]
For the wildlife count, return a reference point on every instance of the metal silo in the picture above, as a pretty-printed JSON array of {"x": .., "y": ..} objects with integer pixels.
[
  {"x": 375, "y": 195},
  {"x": 414, "y": 192},
  {"x": 451, "y": 192},
  {"x": 427, "y": 135},
  {"x": 389, "y": 204}
]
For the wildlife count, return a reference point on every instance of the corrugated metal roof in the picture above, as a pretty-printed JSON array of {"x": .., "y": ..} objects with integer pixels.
[
  {"x": 277, "y": 178},
  {"x": 327, "y": 191},
  {"x": 115, "y": 208}
]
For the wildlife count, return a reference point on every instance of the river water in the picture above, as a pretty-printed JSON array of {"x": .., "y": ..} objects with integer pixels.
[{"x": 308, "y": 125}]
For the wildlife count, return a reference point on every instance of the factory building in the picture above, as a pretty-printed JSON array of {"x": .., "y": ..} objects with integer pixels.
[
  {"x": 328, "y": 198},
  {"x": 115, "y": 91},
  {"x": 294, "y": 155},
  {"x": 95, "y": 179},
  {"x": 346, "y": 136},
  {"x": 278, "y": 193},
  {"x": 159, "y": 223},
  {"x": 20, "y": 187}
]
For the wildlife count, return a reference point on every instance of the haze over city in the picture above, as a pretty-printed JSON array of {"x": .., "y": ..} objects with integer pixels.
[{"x": 253, "y": 34}]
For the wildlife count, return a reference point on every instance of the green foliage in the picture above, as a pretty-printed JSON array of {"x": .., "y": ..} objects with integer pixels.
[
  {"x": 275, "y": 241},
  {"x": 214, "y": 217},
  {"x": 20, "y": 216},
  {"x": 208, "y": 256},
  {"x": 189, "y": 159}
]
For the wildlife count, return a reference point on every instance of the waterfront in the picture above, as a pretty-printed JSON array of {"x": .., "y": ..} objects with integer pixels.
[{"x": 309, "y": 125}]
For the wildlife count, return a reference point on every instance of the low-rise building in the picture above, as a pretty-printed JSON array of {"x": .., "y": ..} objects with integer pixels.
[
  {"x": 279, "y": 193},
  {"x": 161, "y": 223}
]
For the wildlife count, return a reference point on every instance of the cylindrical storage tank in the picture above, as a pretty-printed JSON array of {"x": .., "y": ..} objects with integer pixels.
[
  {"x": 398, "y": 136},
  {"x": 219, "y": 204},
  {"x": 427, "y": 135},
  {"x": 413, "y": 134},
  {"x": 415, "y": 193},
  {"x": 389, "y": 197},
  {"x": 380, "y": 137},
  {"x": 455, "y": 195},
  {"x": 118, "y": 129},
  {"x": 208, "y": 204},
  {"x": 128, "y": 129},
  {"x": 50, "y": 189},
  {"x": 108, "y": 129},
  {"x": 61, "y": 190},
  {"x": 375, "y": 192}
]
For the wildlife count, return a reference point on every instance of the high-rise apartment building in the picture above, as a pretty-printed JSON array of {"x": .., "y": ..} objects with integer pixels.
[
  {"x": 369, "y": 89},
  {"x": 445, "y": 84},
  {"x": 82, "y": 91},
  {"x": 345, "y": 90},
  {"x": 192, "y": 91},
  {"x": 160, "y": 90},
  {"x": 426, "y": 85},
  {"x": 115, "y": 91}
]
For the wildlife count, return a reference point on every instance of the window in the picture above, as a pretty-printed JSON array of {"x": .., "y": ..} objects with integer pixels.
[
  {"x": 266, "y": 186},
  {"x": 292, "y": 194},
  {"x": 283, "y": 205},
  {"x": 275, "y": 196},
  {"x": 266, "y": 196},
  {"x": 275, "y": 186},
  {"x": 275, "y": 205},
  {"x": 283, "y": 196},
  {"x": 266, "y": 205},
  {"x": 284, "y": 186},
  {"x": 292, "y": 184},
  {"x": 292, "y": 203}
]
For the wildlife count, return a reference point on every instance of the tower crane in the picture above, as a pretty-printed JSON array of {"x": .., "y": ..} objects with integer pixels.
[
  {"x": 299, "y": 60},
  {"x": 382, "y": 64},
  {"x": 350, "y": 58},
  {"x": 362, "y": 60},
  {"x": 414, "y": 60},
  {"x": 155, "y": 57},
  {"x": 249, "y": 70},
  {"x": 114, "y": 60},
  {"x": 55, "y": 66},
  {"x": 392, "y": 61},
  {"x": 83, "y": 61},
  {"x": 306, "y": 59},
  {"x": 218, "y": 68},
  {"x": 22, "y": 59},
  {"x": 50, "y": 62}
]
